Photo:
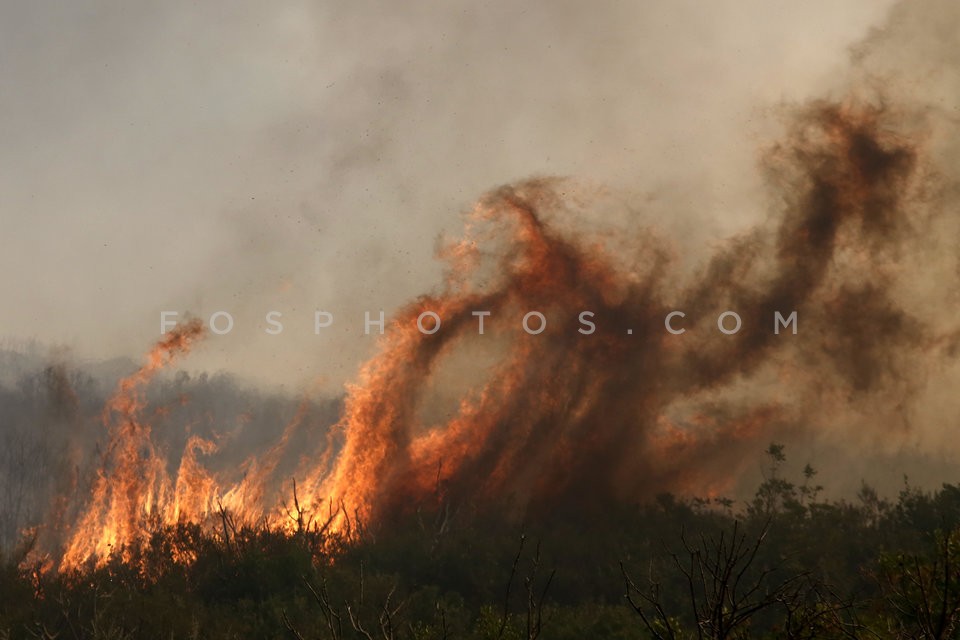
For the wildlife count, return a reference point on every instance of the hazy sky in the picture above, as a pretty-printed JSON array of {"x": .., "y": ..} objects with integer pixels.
[{"x": 252, "y": 156}]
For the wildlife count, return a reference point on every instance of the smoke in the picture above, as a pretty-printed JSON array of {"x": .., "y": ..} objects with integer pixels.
[
  {"x": 567, "y": 421},
  {"x": 858, "y": 240},
  {"x": 859, "y": 199},
  {"x": 314, "y": 151}
]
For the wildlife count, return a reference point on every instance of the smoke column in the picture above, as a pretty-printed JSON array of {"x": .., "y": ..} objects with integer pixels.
[{"x": 568, "y": 421}]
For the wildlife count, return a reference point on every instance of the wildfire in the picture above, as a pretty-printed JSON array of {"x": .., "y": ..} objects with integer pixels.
[{"x": 562, "y": 421}]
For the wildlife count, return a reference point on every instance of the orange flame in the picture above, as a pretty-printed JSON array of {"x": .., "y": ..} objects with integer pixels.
[{"x": 133, "y": 491}]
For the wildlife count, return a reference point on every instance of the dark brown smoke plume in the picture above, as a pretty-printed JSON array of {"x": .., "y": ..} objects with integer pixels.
[{"x": 566, "y": 421}]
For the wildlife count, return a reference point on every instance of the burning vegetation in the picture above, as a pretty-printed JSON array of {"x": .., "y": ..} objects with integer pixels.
[{"x": 560, "y": 423}]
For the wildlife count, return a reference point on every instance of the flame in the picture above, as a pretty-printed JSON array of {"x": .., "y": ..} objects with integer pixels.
[
  {"x": 132, "y": 491},
  {"x": 567, "y": 422}
]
